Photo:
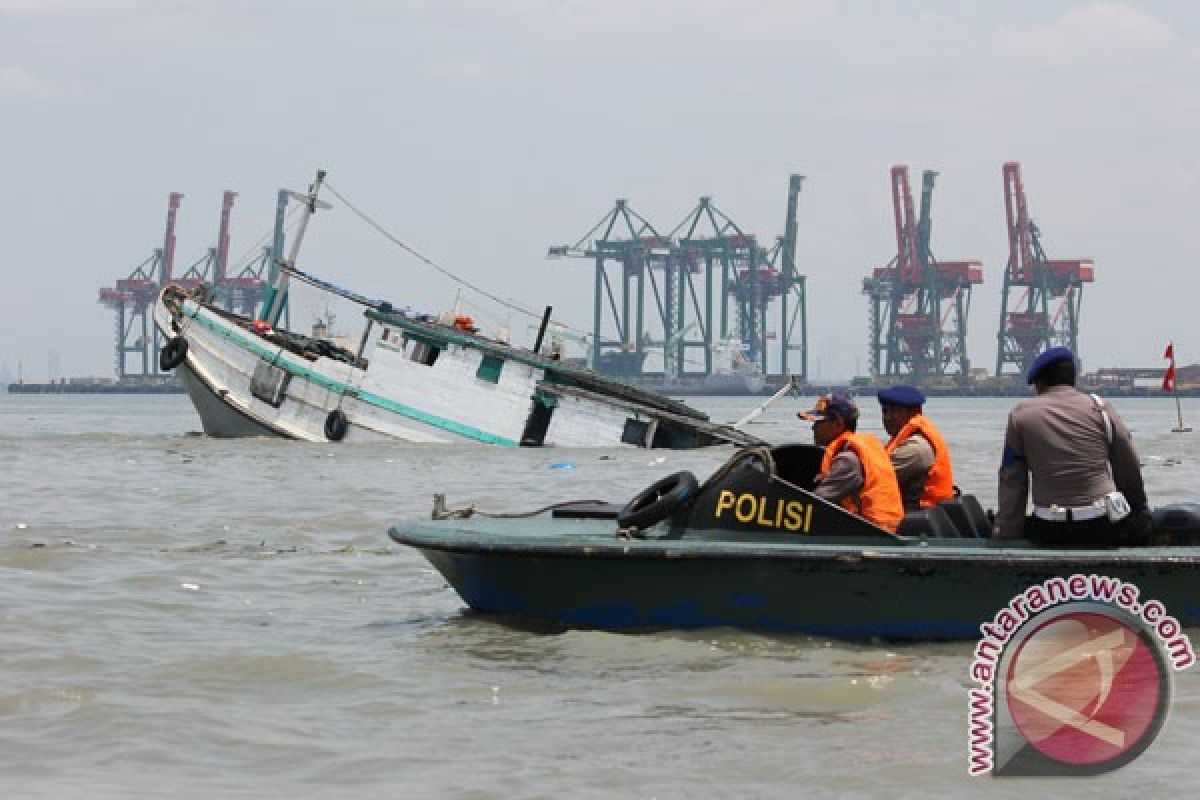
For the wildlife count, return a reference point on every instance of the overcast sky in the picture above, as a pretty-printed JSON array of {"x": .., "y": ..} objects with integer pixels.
[{"x": 482, "y": 132}]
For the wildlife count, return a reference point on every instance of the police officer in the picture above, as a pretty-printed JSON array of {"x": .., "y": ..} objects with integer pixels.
[
  {"x": 855, "y": 471},
  {"x": 918, "y": 452},
  {"x": 1087, "y": 484}
]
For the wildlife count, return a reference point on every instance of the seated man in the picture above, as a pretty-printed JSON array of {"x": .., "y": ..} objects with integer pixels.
[
  {"x": 855, "y": 471},
  {"x": 919, "y": 453},
  {"x": 1072, "y": 452}
]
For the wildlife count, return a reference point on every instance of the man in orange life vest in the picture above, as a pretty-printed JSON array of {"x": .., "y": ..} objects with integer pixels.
[
  {"x": 855, "y": 471},
  {"x": 919, "y": 453}
]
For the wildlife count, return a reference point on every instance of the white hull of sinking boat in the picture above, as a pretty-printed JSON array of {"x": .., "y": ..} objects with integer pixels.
[
  {"x": 243, "y": 383},
  {"x": 418, "y": 381}
]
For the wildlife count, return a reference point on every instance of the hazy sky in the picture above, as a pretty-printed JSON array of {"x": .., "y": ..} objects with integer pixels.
[{"x": 482, "y": 132}]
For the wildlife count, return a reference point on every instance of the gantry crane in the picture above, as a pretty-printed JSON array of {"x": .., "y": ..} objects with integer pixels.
[
  {"x": 623, "y": 237},
  {"x": 918, "y": 305},
  {"x": 133, "y": 297},
  {"x": 1041, "y": 300},
  {"x": 210, "y": 268},
  {"x": 793, "y": 286},
  {"x": 240, "y": 293},
  {"x": 707, "y": 242},
  {"x": 245, "y": 291}
]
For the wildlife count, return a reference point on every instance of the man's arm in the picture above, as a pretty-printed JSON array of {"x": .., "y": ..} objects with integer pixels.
[
  {"x": 1126, "y": 468},
  {"x": 845, "y": 478},
  {"x": 1012, "y": 490},
  {"x": 912, "y": 458}
]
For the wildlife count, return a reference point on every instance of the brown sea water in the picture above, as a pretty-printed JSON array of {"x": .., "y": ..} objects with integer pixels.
[{"x": 187, "y": 617}]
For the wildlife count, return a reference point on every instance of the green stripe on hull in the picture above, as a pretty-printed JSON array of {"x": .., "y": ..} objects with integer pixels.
[{"x": 332, "y": 385}]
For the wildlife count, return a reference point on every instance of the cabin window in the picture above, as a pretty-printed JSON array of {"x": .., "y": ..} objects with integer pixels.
[
  {"x": 489, "y": 369},
  {"x": 269, "y": 383},
  {"x": 424, "y": 353},
  {"x": 635, "y": 432}
]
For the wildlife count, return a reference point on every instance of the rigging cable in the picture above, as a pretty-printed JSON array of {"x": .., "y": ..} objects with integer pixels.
[
  {"x": 429, "y": 262},
  {"x": 425, "y": 260}
]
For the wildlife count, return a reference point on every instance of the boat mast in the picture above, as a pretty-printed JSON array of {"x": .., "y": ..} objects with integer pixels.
[{"x": 277, "y": 293}]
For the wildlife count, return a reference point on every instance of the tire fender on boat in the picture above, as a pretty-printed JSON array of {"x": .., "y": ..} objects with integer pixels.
[
  {"x": 336, "y": 426},
  {"x": 173, "y": 353},
  {"x": 658, "y": 501}
]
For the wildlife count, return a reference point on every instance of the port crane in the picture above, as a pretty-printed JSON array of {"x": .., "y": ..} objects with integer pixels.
[
  {"x": 210, "y": 268},
  {"x": 1041, "y": 297},
  {"x": 626, "y": 249},
  {"x": 132, "y": 298},
  {"x": 708, "y": 279},
  {"x": 918, "y": 305}
]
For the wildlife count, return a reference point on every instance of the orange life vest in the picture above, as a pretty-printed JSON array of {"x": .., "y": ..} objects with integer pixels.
[
  {"x": 879, "y": 499},
  {"x": 939, "y": 485}
]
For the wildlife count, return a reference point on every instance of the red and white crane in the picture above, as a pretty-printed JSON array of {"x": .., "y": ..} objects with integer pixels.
[{"x": 1042, "y": 296}]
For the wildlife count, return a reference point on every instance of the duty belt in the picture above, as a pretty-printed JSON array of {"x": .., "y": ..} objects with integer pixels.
[{"x": 1056, "y": 513}]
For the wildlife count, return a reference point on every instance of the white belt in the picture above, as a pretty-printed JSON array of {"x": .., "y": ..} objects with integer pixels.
[{"x": 1056, "y": 513}]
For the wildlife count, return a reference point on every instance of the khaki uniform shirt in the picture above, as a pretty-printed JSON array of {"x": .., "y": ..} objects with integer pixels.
[
  {"x": 1059, "y": 438},
  {"x": 844, "y": 479},
  {"x": 912, "y": 459}
]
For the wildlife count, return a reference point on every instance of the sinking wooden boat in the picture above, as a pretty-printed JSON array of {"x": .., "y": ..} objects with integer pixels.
[
  {"x": 753, "y": 548},
  {"x": 413, "y": 377}
]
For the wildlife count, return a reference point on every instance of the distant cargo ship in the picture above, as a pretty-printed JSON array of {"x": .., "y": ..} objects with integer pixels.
[
  {"x": 733, "y": 384},
  {"x": 732, "y": 373}
]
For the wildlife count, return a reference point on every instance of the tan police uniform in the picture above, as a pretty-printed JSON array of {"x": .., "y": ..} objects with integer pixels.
[
  {"x": 912, "y": 459},
  {"x": 1061, "y": 439}
]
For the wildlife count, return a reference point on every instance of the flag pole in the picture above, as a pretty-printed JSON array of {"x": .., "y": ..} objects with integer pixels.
[
  {"x": 1181, "y": 428},
  {"x": 1170, "y": 383}
]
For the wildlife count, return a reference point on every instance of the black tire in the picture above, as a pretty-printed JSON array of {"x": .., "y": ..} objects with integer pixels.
[
  {"x": 658, "y": 501},
  {"x": 172, "y": 354},
  {"x": 336, "y": 426}
]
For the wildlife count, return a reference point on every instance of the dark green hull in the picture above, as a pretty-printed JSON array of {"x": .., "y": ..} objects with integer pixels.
[
  {"x": 754, "y": 548},
  {"x": 576, "y": 573}
]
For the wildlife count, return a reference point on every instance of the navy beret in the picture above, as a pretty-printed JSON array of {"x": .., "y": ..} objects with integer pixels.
[
  {"x": 1051, "y": 356},
  {"x": 901, "y": 396}
]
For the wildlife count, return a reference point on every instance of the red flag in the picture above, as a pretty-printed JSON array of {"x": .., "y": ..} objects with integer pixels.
[{"x": 1169, "y": 375}]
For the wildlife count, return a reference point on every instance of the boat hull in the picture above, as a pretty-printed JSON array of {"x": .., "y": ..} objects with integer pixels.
[
  {"x": 217, "y": 417},
  {"x": 422, "y": 384},
  {"x": 923, "y": 592}
]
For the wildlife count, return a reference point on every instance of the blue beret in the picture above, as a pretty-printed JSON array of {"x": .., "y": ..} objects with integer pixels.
[
  {"x": 1051, "y": 356},
  {"x": 901, "y": 396}
]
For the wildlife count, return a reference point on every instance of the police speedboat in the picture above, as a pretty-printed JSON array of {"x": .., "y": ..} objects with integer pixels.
[{"x": 753, "y": 547}]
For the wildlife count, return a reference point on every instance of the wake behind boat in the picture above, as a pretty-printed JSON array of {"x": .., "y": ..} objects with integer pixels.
[
  {"x": 754, "y": 548},
  {"x": 413, "y": 377}
]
